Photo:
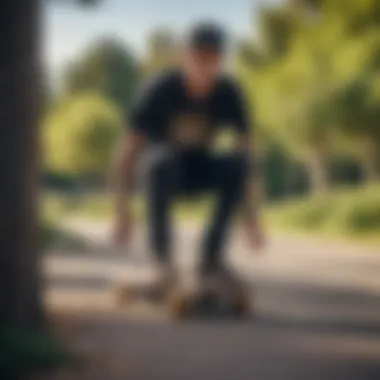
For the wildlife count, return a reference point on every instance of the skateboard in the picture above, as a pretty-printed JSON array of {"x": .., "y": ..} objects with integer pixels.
[
  {"x": 128, "y": 293},
  {"x": 216, "y": 301},
  {"x": 189, "y": 298}
]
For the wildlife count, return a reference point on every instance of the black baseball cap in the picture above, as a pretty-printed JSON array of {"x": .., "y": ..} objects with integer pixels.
[{"x": 207, "y": 35}]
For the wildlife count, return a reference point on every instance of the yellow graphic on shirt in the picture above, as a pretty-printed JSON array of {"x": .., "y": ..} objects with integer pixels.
[{"x": 190, "y": 129}]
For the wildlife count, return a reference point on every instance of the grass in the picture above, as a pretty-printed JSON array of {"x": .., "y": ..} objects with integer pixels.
[
  {"x": 97, "y": 207},
  {"x": 52, "y": 234},
  {"x": 349, "y": 213},
  {"x": 23, "y": 352},
  {"x": 100, "y": 207}
]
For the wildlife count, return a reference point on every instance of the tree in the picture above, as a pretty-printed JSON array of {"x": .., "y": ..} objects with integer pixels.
[
  {"x": 20, "y": 92},
  {"x": 290, "y": 72},
  {"x": 107, "y": 67},
  {"x": 162, "y": 51},
  {"x": 80, "y": 135},
  {"x": 277, "y": 26},
  {"x": 20, "y": 100},
  {"x": 357, "y": 113},
  {"x": 309, "y": 55},
  {"x": 357, "y": 97}
]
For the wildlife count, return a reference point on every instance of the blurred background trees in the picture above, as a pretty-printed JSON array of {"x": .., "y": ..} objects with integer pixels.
[
  {"x": 106, "y": 67},
  {"x": 84, "y": 123},
  {"x": 312, "y": 75},
  {"x": 162, "y": 51},
  {"x": 80, "y": 135}
]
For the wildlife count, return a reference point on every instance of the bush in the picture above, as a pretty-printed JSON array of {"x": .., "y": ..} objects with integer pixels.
[
  {"x": 24, "y": 352},
  {"x": 348, "y": 212},
  {"x": 80, "y": 135},
  {"x": 356, "y": 213}
]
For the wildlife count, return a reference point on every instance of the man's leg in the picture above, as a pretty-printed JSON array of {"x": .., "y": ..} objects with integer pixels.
[
  {"x": 163, "y": 180},
  {"x": 229, "y": 175}
]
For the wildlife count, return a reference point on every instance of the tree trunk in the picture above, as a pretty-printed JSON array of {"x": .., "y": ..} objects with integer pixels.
[
  {"x": 20, "y": 296},
  {"x": 370, "y": 162},
  {"x": 318, "y": 173}
]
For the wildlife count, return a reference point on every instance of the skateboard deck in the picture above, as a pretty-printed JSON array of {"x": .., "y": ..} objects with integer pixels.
[
  {"x": 188, "y": 298},
  {"x": 220, "y": 301},
  {"x": 188, "y": 302},
  {"x": 130, "y": 292}
]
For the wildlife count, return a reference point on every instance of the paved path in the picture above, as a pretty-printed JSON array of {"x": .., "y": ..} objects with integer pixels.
[{"x": 317, "y": 314}]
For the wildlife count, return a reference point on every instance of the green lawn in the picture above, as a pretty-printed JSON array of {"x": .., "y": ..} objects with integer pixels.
[
  {"x": 23, "y": 352},
  {"x": 349, "y": 213},
  {"x": 101, "y": 207},
  {"x": 54, "y": 209}
]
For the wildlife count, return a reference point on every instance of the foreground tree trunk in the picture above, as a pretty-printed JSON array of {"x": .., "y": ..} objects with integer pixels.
[{"x": 20, "y": 302}]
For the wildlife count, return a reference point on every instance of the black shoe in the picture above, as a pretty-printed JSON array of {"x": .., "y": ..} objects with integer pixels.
[
  {"x": 166, "y": 277},
  {"x": 219, "y": 276}
]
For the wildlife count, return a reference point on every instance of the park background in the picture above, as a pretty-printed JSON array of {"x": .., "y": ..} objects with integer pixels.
[
  {"x": 310, "y": 70},
  {"x": 311, "y": 73}
]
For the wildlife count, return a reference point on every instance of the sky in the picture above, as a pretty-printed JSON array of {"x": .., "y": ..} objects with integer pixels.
[{"x": 68, "y": 29}]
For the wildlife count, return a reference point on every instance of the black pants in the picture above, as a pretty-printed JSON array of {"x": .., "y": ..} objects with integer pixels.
[{"x": 191, "y": 173}]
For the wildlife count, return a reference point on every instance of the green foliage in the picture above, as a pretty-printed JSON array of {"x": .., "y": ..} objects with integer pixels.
[
  {"x": 53, "y": 236},
  {"x": 101, "y": 207},
  {"x": 280, "y": 174},
  {"x": 250, "y": 54},
  {"x": 351, "y": 212},
  {"x": 106, "y": 67},
  {"x": 162, "y": 51},
  {"x": 55, "y": 207},
  {"x": 48, "y": 233},
  {"x": 357, "y": 107},
  {"x": 24, "y": 352},
  {"x": 356, "y": 215},
  {"x": 277, "y": 28},
  {"x": 80, "y": 135},
  {"x": 312, "y": 78}
]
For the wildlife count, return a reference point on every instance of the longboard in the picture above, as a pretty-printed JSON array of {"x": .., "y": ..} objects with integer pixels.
[
  {"x": 131, "y": 292},
  {"x": 194, "y": 300},
  {"x": 189, "y": 299}
]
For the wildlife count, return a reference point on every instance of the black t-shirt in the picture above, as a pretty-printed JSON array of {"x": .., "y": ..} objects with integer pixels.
[{"x": 166, "y": 114}]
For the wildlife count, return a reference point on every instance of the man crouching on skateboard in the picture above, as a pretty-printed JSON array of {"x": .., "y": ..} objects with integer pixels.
[{"x": 178, "y": 116}]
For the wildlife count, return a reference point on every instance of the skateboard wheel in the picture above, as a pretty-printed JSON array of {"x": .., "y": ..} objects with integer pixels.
[
  {"x": 179, "y": 307},
  {"x": 241, "y": 305},
  {"x": 122, "y": 296}
]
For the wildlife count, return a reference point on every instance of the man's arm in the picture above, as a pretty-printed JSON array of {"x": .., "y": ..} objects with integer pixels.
[
  {"x": 254, "y": 194},
  {"x": 126, "y": 163},
  {"x": 253, "y": 197},
  {"x": 124, "y": 176}
]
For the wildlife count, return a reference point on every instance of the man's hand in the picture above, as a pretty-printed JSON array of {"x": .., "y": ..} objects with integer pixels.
[{"x": 127, "y": 157}]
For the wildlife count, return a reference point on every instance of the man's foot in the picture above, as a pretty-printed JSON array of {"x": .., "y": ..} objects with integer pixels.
[
  {"x": 165, "y": 280},
  {"x": 217, "y": 277}
]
